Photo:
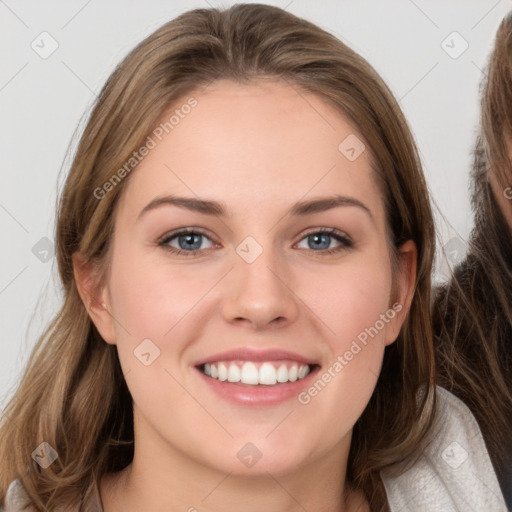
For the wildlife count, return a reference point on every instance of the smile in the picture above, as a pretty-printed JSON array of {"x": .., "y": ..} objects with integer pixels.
[
  {"x": 267, "y": 373},
  {"x": 257, "y": 377}
]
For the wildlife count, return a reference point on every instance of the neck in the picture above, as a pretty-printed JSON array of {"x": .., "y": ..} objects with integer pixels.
[{"x": 177, "y": 482}]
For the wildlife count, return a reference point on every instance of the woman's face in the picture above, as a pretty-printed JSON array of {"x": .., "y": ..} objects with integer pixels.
[{"x": 286, "y": 270}]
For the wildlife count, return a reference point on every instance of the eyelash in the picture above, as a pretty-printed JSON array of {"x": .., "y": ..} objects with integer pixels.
[{"x": 344, "y": 240}]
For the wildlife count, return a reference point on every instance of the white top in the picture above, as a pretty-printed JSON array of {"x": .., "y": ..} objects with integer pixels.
[{"x": 453, "y": 474}]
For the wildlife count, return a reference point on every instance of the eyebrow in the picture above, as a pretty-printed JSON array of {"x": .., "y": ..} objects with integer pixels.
[{"x": 208, "y": 207}]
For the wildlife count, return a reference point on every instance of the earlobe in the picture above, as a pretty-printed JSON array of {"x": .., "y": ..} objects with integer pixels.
[
  {"x": 405, "y": 286},
  {"x": 94, "y": 295}
]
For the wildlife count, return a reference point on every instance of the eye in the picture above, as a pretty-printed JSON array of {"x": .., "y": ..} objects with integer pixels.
[
  {"x": 186, "y": 242},
  {"x": 321, "y": 240}
]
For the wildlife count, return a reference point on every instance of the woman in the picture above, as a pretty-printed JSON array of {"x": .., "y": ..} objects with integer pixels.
[
  {"x": 473, "y": 312},
  {"x": 245, "y": 241}
]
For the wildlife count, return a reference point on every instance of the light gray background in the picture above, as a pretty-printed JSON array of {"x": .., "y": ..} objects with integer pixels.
[{"x": 43, "y": 99}]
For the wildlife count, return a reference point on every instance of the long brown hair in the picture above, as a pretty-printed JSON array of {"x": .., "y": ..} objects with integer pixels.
[
  {"x": 72, "y": 394},
  {"x": 473, "y": 312}
]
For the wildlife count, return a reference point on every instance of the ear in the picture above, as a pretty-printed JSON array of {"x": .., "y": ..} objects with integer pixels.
[
  {"x": 94, "y": 295},
  {"x": 403, "y": 289}
]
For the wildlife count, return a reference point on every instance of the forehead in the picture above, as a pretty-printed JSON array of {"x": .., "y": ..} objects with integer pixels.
[{"x": 261, "y": 144}]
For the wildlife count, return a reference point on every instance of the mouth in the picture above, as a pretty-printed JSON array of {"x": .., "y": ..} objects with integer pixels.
[
  {"x": 257, "y": 377},
  {"x": 257, "y": 373}
]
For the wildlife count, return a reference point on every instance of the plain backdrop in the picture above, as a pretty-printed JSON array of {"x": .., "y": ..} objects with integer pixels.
[{"x": 55, "y": 57}]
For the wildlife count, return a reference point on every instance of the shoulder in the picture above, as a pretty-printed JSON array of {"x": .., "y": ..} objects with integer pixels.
[{"x": 453, "y": 472}]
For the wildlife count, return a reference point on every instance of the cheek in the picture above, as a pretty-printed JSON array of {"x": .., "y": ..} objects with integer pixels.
[
  {"x": 150, "y": 299},
  {"x": 156, "y": 302},
  {"x": 348, "y": 299},
  {"x": 351, "y": 304}
]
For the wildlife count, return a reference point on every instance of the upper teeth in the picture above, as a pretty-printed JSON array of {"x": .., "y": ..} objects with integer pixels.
[{"x": 248, "y": 372}]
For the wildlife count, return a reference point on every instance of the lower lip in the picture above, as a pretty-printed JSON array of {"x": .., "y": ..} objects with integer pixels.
[{"x": 260, "y": 395}]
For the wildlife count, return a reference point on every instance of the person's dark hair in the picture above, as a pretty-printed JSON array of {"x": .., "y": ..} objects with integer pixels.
[
  {"x": 472, "y": 313},
  {"x": 81, "y": 405}
]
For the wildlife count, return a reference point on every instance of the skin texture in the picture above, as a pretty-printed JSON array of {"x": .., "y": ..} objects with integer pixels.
[{"x": 257, "y": 148}]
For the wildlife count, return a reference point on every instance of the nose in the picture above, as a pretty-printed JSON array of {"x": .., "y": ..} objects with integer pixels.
[{"x": 259, "y": 294}]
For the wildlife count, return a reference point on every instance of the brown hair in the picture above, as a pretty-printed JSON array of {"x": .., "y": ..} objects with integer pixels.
[
  {"x": 473, "y": 312},
  {"x": 81, "y": 405}
]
